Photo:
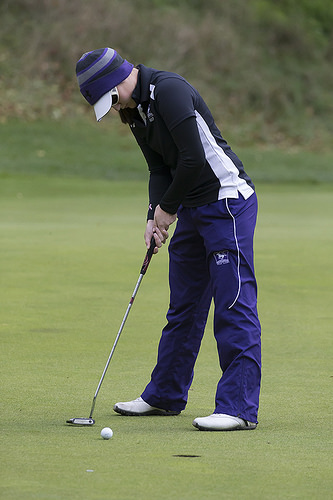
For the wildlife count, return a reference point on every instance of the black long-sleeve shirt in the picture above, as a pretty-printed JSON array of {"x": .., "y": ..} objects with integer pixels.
[{"x": 189, "y": 161}]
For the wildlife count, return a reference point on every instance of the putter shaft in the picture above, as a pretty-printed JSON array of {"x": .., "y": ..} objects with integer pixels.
[{"x": 90, "y": 420}]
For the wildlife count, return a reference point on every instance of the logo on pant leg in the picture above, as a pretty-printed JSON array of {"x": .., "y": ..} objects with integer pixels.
[{"x": 221, "y": 257}]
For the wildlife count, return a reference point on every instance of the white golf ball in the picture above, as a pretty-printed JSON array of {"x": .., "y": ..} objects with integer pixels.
[{"x": 106, "y": 433}]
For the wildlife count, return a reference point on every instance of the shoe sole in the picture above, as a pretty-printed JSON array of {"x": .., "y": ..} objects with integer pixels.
[
  {"x": 156, "y": 411},
  {"x": 248, "y": 427}
]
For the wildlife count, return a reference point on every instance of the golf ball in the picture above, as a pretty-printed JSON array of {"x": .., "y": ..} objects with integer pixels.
[{"x": 106, "y": 433}]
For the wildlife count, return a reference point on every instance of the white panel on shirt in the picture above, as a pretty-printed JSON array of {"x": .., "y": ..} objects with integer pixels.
[{"x": 223, "y": 167}]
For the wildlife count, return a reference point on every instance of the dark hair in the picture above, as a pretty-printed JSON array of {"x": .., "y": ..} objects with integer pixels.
[{"x": 127, "y": 115}]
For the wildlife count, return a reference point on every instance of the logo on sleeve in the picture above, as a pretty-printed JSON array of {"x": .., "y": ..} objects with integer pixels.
[{"x": 222, "y": 257}]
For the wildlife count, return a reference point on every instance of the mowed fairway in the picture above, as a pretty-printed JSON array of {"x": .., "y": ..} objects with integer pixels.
[{"x": 71, "y": 252}]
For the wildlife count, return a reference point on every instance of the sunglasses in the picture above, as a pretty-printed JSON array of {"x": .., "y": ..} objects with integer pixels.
[{"x": 114, "y": 96}]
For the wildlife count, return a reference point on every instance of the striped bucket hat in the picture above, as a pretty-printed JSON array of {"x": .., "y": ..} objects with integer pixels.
[{"x": 98, "y": 72}]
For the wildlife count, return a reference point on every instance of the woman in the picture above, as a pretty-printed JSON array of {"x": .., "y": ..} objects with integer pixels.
[{"x": 197, "y": 179}]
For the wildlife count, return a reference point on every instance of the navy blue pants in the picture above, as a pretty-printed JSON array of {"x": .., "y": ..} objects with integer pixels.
[{"x": 211, "y": 256}]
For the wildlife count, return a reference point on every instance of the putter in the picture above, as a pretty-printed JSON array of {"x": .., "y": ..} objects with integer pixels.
[{"x": 89, "y": 420}]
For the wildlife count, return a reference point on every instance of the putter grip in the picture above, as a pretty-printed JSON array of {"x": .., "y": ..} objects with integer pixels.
[{"x": 149, "y": 255}]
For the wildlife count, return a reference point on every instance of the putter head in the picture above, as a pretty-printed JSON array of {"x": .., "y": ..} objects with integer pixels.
[{"x": 81, "y": 421}]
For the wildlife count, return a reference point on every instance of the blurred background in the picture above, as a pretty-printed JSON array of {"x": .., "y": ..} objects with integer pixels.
[{"x": 263, "y": 66}]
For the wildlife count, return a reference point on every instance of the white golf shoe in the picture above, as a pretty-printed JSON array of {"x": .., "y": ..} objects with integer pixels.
[
  {"x": 139, "y": 407},
  {"x": 222, "y": 422}
]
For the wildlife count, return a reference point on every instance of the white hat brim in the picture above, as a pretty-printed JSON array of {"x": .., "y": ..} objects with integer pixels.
[{"x": 103, "y": 105}]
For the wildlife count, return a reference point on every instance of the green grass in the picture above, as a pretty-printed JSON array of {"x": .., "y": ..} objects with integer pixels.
[
  {"x": 71, "y": 149},
  {"x": 71, "y": 250},
  {"x": 107, "y": 150}
]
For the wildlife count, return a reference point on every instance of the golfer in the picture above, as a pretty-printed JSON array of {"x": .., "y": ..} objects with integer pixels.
[{"x": 197, "y": 180}]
